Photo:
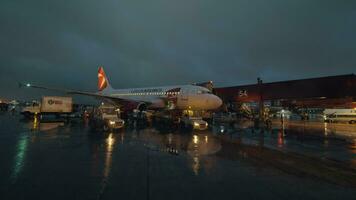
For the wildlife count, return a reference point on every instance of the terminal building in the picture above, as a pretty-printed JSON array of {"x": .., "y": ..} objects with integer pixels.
[{"x": 324, "y": 92}]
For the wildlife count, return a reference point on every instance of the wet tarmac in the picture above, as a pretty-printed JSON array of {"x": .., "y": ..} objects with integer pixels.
[{"x": 69, "y": 161}]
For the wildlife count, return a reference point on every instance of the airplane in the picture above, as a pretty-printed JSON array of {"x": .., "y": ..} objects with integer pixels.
[{"x": 180, "y": 97}]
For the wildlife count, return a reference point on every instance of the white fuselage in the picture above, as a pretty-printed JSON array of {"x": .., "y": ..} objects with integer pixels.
[{"x": 171, "y": 97}]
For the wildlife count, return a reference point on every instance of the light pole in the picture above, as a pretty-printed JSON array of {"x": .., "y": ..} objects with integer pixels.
[
  {"x": 260, "y": 103},
  {"x": 148, "y": 173}
]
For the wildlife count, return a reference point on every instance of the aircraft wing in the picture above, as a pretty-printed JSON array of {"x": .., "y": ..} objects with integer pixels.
[{"x": 76, "y": 92}]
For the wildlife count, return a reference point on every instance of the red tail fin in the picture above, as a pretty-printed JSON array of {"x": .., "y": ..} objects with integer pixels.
[{"x": 102, "y": 80}]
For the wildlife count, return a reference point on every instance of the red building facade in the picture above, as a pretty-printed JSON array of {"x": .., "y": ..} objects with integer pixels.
[{"x": 331, "y": 91}]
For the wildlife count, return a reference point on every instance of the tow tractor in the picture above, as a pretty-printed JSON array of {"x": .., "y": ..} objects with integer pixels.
[
  {"x": 107, "y": 118},
  {"x": 189, "y": 121},
  {"x": 195, "y": 123}
]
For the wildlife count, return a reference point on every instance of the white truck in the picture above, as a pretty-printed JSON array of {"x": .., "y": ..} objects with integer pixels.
[
  {"x": 340, "y": 115},
  {"x": 49, "y": 105}
]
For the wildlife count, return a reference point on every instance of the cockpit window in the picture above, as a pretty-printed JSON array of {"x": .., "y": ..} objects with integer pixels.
[{"x": 204, "y": 92}]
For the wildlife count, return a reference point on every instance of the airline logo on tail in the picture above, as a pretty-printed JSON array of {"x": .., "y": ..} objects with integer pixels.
[{"x": 102, "y": 81}]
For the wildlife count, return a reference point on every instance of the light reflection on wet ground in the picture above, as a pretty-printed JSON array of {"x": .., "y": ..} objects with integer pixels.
[{"x": 68, "y": 161}]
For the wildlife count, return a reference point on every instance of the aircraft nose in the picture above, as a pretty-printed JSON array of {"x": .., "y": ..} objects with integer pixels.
[{"x": 217, "y": 102}]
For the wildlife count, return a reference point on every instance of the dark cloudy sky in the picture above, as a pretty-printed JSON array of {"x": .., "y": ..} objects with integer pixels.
[{"x": 163, "y": 42}]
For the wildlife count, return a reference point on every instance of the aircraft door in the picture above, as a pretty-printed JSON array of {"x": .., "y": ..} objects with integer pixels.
[{"x": 183, "y": 97}]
